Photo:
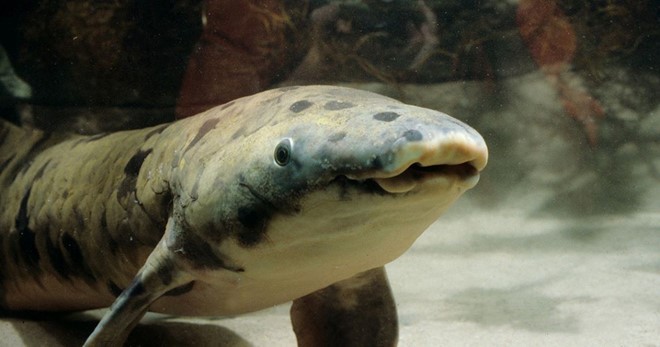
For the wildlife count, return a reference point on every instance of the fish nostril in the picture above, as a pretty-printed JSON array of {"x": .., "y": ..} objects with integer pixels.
[{"x": 413, "y": 135}]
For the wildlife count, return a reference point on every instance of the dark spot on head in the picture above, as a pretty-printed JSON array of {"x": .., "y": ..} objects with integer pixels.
[
  {"x": 203, "y": 130},
  {"x": 26, "y": 237},
  {"x": 299, "y": 106},
  {"x": 131, "y": 172},
  {"x": 386, "y": 116},
  {"x": 180, "y": 290},
  {"x": 336, "y": 137},
  {"x": 337, "y": 105},
  {"x": 413, "y": 135},
  {"x": 114, "y": 289}
]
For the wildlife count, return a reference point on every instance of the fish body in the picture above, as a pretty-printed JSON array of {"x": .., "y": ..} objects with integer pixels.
[{"x": 297, "y": 193}]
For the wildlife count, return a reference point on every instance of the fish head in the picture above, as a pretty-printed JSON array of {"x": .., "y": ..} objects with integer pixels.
[
  {"x": 324, "y": 172},
  {"x": 357, "y": 143}
]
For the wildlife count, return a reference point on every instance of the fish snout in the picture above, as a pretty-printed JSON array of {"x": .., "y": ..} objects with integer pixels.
[{"x": 448, "y": 157}]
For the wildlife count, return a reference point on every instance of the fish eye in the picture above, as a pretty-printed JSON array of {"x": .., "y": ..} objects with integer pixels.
[{"x": 282, "y": 153}]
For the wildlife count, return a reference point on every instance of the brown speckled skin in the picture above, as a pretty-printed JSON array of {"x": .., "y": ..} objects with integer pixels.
[
  {"x": 356, "y": 312},
  {"x": 206, "y": 216},
  {"x": 84, "y": 206}
]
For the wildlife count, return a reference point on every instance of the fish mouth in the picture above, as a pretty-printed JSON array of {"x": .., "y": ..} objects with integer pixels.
[
  {"x": 465, "y": 174},
  {"x": 456, "y": 164}
]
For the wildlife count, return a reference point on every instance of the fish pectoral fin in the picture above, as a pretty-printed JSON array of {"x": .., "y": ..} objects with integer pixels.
[
  {"x": 159, "y": 276},
  {"x": 359, "y": 311}
]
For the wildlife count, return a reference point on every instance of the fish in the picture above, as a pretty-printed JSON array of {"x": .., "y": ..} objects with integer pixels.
[{"x": 300, "y": 194}]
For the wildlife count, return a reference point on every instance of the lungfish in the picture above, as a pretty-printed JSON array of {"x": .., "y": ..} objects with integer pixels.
[{"x": 297, "y": 193}]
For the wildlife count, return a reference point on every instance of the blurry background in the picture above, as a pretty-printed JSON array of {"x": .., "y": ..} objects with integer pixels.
[{"x": 558, "y": 244}]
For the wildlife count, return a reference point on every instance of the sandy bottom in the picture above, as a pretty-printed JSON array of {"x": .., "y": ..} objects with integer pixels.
[{"x": 485, "y": 278}]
